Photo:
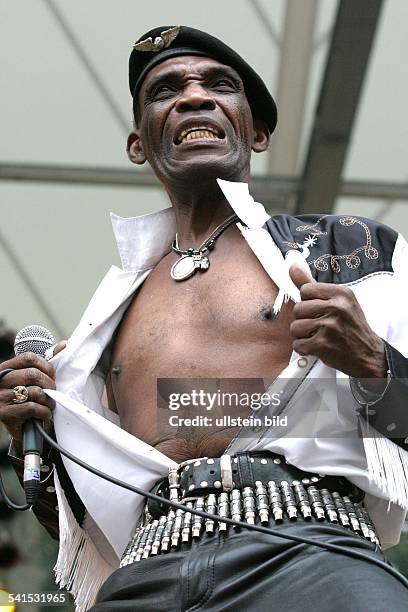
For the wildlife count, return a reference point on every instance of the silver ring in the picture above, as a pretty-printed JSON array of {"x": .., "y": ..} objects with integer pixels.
[{"x": 20, "y": 394}]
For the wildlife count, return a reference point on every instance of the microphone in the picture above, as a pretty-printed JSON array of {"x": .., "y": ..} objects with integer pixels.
[{"x": 35, "y": 339}]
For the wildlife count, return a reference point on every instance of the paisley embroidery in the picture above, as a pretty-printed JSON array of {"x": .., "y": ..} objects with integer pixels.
[
  {"x": 321, "y": 263},
  {"x": 308, "y": 228},
  {"x": 352, "y": 259}
]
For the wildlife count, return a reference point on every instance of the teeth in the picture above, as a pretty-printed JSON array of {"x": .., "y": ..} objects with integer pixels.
[{"x": 195, "y": 134}]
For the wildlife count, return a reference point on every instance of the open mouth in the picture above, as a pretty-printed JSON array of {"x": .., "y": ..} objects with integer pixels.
[{"x": 200, "y": 133}]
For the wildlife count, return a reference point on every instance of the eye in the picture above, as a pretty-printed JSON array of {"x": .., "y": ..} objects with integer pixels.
[
  {"x": 162, "y": 91},
  {"x": 225, "y": 84}
]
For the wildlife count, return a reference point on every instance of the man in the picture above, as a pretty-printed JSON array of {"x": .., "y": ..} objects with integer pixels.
[{"x": 220, "y": 305}]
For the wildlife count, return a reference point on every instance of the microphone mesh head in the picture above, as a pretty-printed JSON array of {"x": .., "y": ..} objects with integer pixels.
[{"x": 34, "y": 339}]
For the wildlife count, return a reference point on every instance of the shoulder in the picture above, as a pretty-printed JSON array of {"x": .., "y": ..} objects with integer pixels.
[{"x": 338, "y": 248}]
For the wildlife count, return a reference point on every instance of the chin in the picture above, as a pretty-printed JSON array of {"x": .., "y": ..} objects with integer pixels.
[{"x": 205, "y": 169}]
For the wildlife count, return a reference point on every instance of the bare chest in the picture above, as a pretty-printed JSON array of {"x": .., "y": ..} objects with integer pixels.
[{"x": 216, "y": 323}]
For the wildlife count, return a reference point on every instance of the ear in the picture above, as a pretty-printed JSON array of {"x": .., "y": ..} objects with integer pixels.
[
  {"x": 261, "y": 136},
  {"x": 134, "y": 149}
]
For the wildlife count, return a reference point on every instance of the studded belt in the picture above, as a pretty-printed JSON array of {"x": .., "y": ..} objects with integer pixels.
[{"x": 254, "y": 487}]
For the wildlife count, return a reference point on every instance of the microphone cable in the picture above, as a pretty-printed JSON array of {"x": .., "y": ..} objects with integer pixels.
[{"x": 205, "y": 515}]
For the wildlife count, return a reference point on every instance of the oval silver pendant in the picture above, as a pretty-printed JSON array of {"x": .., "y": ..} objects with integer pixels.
[{"x": 183, "y": 268}]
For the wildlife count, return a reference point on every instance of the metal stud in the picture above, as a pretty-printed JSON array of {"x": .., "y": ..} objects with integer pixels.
[
  {"x": 197, "y": 463},
  {"x": 223, "y": 510},
  {"x": 217, "y": 484},
  {"x": 197, "y": 520},
  {"x": 187, "y": 519},
  {"x": 361, "y": 520},
  {"x": 329, "y": 506},
  {"x": 174, "y": 484},
  {"x": 203, "y": 484},
  {"x": 351, "y": 513},
  {"x": 142, "y": 542},
  {"x": 191, "y": 487},
  {"x": 316, "y": 502},
  {"x": 303, "y": 501},
  {"x": 210, "y": 461},
  {"x": 210, "y": 507},
  {"x": 158, "y": 536},
  {"x": 275, "y": 501},
  {"x": 178, "y": 521},
  {"x": 277, "y": 460},
  {"x": 264, "y": 461},
  {"x": 249, "y": 505},
  {"x": 236, "y": 505},
  {"x": 150, "y": 538},
  {"x": 167, "y": 531},
  {"x": 262, "y": 503},
  {"x": 341, "y": 510},
  {"x": 289, "y": 500}
]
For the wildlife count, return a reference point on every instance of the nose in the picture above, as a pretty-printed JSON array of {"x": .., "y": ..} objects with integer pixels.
[{"x": 195, "y": 97}]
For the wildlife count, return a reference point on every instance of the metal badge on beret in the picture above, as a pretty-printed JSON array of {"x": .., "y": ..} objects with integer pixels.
[{"x": 160, "y": 42}]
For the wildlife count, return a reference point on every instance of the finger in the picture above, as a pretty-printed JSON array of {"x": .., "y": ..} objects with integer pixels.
[
  {"x": 311, "y": 309},
  {"x": 59, "y": 347},
  {"x": 14, "y": 416},
  {"x": 30, "y": 377},
  {"x": 305, "y": 346},
  {"x": 35, "y": 394},
  {"x": 300, "y": 276},
  {"x": 304, "y": 328},
  {"x": 29, "y": 360},
  {"x": 323, "y": 291}
]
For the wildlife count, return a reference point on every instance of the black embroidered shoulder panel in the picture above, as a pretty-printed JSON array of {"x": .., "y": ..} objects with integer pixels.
[{"x": 338, "y": 248}]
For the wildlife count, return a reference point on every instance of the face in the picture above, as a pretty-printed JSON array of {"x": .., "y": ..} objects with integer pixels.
[{"x": 195, "y": 122}]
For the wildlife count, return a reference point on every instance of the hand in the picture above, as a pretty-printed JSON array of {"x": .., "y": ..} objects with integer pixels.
[
  {"x": 330, "y": 324},
  {"x": 35, "y": 373}
]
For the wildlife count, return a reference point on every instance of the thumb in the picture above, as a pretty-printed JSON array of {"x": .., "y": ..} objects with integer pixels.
[
  {"x": 300, "y": 276},
  {"x": 59, "y": 347}
]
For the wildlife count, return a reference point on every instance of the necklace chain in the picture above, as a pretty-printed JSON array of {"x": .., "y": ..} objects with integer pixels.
[
  {"x": 208, "y": 244},
  {"x": 192, "y": 259}
]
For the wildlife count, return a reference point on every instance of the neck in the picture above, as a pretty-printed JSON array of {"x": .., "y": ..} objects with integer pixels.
[{"x": 198, "y": 213}]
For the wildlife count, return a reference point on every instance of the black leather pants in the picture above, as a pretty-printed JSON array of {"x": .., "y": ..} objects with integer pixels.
[{"x": 248, "y": 571}]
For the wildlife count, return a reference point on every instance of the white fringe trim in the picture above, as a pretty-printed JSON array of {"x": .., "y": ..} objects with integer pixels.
[
  {"x": 80, "y": 568},
  {"x": 387, "y": 464}
]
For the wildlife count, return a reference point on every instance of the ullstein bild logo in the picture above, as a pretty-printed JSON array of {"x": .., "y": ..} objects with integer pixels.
[{"x": 228, "y": 421}]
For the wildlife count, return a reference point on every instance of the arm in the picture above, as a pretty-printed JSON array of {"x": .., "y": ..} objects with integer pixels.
[
  {"x": 387, "y": 411},
  {"x": 330, "y": 324},
  {"x": 36, "y": 374}
]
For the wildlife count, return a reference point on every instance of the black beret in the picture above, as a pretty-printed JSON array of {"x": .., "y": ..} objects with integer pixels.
[{"x": 165, "y": 42}]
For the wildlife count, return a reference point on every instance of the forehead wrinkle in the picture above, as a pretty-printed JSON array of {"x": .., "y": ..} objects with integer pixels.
[{"x": 179, "y": 71}]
